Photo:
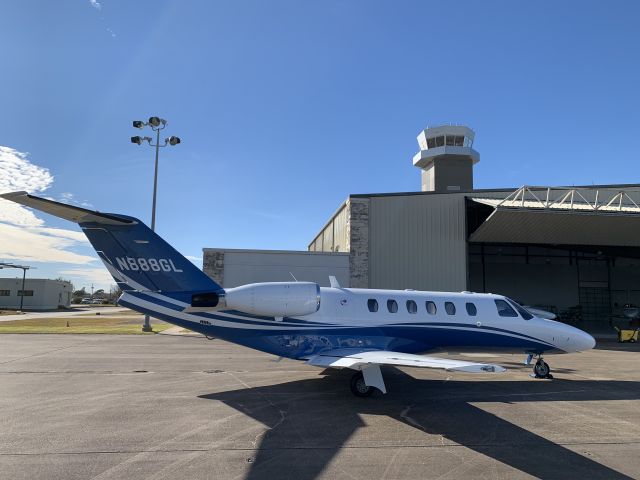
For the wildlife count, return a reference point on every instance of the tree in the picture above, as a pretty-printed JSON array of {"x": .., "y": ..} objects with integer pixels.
[
  {"x": 114, "y": 293},
  {"x": 80, "y": 293}
]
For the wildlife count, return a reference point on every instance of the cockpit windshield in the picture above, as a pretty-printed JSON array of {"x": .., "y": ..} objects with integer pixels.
[{"x": 521, "y": 310}]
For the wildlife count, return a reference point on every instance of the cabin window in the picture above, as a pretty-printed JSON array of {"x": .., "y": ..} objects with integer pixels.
[
  {"x": 26, "y": 293},
  {"x": 471, "y": 309},
  {"x": 392, "y": 306},
  {"x": 521, "y": 310},
  {"x": 450, "y": 308},
  {"x": 412, "y": 307},
  {"x": 431, "y": 307},
  {"x": 372, "y": 303},
  {"x": 504, "y": 309}
]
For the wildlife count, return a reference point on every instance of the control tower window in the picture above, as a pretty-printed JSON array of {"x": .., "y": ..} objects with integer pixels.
[
  {"x": 431, "y": 142},
  {"x": 450, "y": 140},
  {"x": 440, "y": 141},
  {"x": 459, "y": 141}
]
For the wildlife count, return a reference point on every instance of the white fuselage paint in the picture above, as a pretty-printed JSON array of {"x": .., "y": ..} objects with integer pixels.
[{"x": 344, "y": 308}]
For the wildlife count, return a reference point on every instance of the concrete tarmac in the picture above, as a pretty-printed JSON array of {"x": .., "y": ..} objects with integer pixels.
[{"x": 180, "y": 407}]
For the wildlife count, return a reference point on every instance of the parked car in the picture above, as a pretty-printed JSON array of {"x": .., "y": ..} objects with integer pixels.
[{"x": 85, "y": 301}]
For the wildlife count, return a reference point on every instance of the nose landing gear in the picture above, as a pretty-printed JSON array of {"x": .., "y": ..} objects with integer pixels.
[{"x": 541, "y": 369}]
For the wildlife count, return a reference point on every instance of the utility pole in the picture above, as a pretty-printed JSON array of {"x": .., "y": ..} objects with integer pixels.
[{"x": 24, "y": 275}]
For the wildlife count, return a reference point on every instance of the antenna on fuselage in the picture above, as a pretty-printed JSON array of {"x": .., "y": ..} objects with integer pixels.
[
  {"x": 333, "y": 281},
  {"x": 293, "y": 276}
]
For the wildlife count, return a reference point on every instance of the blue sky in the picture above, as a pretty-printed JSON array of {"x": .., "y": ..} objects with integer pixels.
[{"x": 286, "y": 107}]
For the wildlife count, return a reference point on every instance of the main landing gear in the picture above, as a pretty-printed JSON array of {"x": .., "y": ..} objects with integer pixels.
[
  {"x": 367, "y": 380},
  {"x": 358, "y": 386}
]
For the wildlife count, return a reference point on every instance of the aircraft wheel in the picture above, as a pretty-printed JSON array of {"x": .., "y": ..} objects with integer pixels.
[
  {"x": 358, "y": 387},
  {"x": 541, "y": 369}
]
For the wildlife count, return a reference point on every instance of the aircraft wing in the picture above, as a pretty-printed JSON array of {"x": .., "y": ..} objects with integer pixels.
[{"x": 360, "y": 359}]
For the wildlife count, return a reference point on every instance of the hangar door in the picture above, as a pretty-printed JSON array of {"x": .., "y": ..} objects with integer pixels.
[{"x": 585, "y": 265}]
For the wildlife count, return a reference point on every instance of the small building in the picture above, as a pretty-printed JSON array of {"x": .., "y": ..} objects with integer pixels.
[
  {"x": 233, "y": 267},
  {"x": 39, "y": 293}
]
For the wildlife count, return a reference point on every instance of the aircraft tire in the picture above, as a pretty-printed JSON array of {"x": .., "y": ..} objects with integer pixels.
[
  {"x": 541, "y": 369},
  {"x": 358, "y": 387}
]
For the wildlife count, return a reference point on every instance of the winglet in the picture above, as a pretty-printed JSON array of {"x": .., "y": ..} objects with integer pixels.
[{"x": 333, "y": 281}]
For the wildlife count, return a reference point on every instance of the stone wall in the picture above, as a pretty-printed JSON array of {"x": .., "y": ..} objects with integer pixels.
[
  {"x": 358, "y": 247},
  {"x": 213, "y": 265}
]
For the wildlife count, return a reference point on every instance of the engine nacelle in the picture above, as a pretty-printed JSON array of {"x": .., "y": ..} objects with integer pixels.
[{"x": 274, "y": 299}]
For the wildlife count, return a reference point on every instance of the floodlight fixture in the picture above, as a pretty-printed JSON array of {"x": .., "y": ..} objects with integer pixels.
[
  {"x": 138, "y": 124},
  {"x": 155, "y": 122},
  {"x": 173, "y": 140}
]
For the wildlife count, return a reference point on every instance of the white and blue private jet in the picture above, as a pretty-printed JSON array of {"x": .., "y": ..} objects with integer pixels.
[{"x": 359, "y": 329}]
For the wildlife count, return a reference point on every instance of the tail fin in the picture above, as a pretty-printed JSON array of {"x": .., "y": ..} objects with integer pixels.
[{"x": 136, "y": 257}]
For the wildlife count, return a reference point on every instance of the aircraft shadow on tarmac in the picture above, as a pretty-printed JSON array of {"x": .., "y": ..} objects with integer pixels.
[{"x": 310, "y": 420}]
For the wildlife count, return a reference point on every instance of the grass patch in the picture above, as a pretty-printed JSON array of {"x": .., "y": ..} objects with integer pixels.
[{"x": 94, "y": 324}]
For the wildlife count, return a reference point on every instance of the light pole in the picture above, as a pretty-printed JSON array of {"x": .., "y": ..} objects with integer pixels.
[
  {"x": 24, "y": 275},
  {"x": 156, "y": 124}
]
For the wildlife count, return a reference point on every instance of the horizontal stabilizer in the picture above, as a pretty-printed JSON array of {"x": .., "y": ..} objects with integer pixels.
[
  {"x": 136, "y": 257},
  {"x": 357, "y": 360},
  {"x": 68, "y": 212}
]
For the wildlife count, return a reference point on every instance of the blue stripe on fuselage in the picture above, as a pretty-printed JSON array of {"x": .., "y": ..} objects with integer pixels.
[{"x": 296, "y": 341}]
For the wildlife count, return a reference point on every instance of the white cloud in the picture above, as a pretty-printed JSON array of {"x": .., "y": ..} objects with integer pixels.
[
  {"x": 99, "y": 277},
  {"x": 70, "y": 198},
  {"x": 25, "y": 237},
  {"x": 95, "y": 4},
  {"x": 194, "y": 259},
  {"x": 18, "y": 173},
  {"x": 40, "y": 244}
]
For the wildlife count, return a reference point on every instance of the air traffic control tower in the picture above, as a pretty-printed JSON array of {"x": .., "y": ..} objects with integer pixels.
[{"x": 446, "y": 158}]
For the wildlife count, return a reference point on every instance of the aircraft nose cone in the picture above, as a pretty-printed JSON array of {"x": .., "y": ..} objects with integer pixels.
[{"x": 584, "y": 341}]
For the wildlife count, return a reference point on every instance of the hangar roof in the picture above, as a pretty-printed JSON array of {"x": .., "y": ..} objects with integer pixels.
[{"x": 562, "y": 217}]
